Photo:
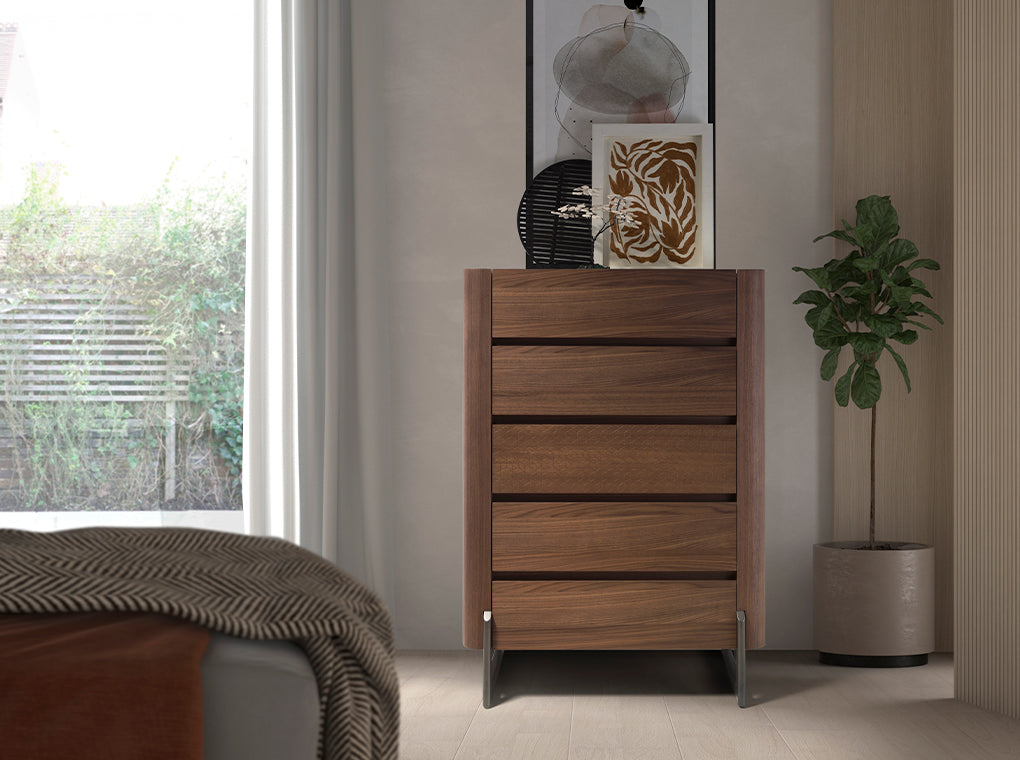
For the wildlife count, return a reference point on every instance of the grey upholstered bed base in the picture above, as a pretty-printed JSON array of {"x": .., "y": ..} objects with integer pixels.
[{"x": 260, "y": 700}]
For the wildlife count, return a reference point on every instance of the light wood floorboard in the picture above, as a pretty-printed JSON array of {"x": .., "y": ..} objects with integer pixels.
[{"x": 679, "y": 706}]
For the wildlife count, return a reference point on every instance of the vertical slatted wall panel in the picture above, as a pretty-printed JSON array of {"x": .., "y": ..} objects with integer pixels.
[
  {"x": 892, "y": 122},
  {"x": 987, "y": 366}
]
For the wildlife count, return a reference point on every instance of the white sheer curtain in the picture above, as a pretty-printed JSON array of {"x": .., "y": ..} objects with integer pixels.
[{"x": 315, "y": 425}]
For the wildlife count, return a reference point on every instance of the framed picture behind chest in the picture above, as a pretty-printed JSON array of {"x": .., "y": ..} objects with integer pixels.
[{"x": 624, "y": 61}]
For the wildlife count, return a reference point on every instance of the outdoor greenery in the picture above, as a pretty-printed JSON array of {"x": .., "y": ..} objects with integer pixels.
[
  {"x": 179, "y": 259},
  {"x": 867, "y": 300}
]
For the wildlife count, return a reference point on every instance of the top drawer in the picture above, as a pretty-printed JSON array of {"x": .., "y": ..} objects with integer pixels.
[{"x": 655, "y": 305}]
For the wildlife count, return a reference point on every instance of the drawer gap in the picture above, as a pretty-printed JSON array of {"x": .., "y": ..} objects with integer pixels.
[
  {"x": 577, "y": 341},
  {"x": 615, "y": 576},
  {"x": 649, "y": 497},
  {"x": 608, "y": 419}
]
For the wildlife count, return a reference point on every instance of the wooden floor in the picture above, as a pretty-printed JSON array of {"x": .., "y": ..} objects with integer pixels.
[{"x": 678, "y": 705}]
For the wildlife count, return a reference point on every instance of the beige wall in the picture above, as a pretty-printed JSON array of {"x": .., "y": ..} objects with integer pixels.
[
  {"x": 773, "y": 196},
  {"x": 439, "y": 133},
  {"x": 986, "y": 66},
  {"x": 440, "y": 141}
]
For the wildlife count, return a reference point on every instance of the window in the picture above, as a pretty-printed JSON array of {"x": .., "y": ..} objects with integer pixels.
[{"x": 125, "y": 136}]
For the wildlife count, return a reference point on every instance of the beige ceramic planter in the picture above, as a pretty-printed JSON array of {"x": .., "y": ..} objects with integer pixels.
[{"x": 874, "y": 608}]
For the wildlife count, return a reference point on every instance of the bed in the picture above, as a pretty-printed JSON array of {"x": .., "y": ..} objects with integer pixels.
[
  {"x": 260, "y": 700},
  {"x": 295, "y": 658}
]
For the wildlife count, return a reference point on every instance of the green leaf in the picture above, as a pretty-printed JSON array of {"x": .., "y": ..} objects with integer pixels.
[
  {"x": 900, "y": 276},
  {"x": 839, "y": 235},
  {"x": 866, "y": 343},
  {"x": 867, "y": 234},
  {"x": 919, "y": 288},
  {"x": 851, "y": 312},
  {"x": 866, "y": 387},
  {"x": 872, "y": 286},
  {"x": 900, "y": 250},
  {"x": 901, "y": 364},
  {"x": 924, "y": 264},
  {"x": 899, "y": 293},
  {"x": 900, "y": 296},
  {"x": 816, "y": 297},
  {"x": 882, "y": 324},
  {"x": 843, "y": 386},
  {"x": 818, "y": 274},
  {"x": 866, "y": 263},
  {"x": 877, "y": 222},
  {"x": 813, "y": 317},
  {"x": 844, "y": 271},
  {"x": 828, "y": 312},
  {"x": 867, "y": 300},
  {"x": 829, "y": 363},
  {"x": 925, "y": 310},
  {"x": 831, "y": 335}
]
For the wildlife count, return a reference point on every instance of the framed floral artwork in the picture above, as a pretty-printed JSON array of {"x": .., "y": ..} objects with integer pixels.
[{"x": 660, "y": 176}]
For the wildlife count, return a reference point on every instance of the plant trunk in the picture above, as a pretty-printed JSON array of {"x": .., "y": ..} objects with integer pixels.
[{"x": 871, "y": 517}]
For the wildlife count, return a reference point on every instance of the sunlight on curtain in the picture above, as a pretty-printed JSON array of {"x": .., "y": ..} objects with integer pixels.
[
  {"x": 315, "y": 421},
  {"x": 269, "y": 487}
]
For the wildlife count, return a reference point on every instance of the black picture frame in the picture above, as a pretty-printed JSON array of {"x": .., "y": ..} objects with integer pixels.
[{"x": 532, "y": 112}]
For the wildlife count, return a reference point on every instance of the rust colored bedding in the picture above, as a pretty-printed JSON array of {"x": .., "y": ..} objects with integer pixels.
[{"x": 116, "y": 686}]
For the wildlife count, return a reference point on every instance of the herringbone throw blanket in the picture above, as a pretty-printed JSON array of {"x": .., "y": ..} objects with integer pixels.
[{"x": 248, "y": 586}]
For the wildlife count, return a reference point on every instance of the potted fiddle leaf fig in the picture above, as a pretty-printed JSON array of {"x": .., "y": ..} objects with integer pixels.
[{"x": 874, "y": 599}]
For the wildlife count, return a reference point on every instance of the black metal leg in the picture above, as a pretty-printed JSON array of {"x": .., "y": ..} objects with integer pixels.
[
  {"x": 736, "y": 663},
  {"x": 490, "y": 660},
  {"x": 741, "y": 659}
]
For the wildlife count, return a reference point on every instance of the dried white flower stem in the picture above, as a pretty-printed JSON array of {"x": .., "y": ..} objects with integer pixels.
[{"x": 617, "y": 208}]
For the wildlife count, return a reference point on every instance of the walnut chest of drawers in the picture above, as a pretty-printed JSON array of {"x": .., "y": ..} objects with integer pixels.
[{"x": 613, "y": 460}]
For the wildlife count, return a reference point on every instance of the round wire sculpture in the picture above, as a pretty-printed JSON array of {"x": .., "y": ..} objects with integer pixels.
[
  {"x": 549, "y": 241},
  {"x": 625, "y": 71}
]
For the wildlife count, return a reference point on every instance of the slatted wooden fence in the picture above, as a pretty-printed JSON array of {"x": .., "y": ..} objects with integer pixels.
[{"x": 72, "y": 338}]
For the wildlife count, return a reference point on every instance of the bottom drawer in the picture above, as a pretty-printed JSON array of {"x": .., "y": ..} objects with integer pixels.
[{"x": 614, "y": 614}]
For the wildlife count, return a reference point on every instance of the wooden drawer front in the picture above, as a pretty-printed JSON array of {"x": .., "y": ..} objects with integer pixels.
[
  {"x": 614, "y": 459},
  {"x": 574, "y": 303},
  {"x": 614, "y": 536},
  {"x": 621, "y": 380},
  {"x": 614, "y": 614}
]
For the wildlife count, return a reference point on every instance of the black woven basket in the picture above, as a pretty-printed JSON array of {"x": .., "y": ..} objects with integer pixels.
[{"x": 549, "y": 241}]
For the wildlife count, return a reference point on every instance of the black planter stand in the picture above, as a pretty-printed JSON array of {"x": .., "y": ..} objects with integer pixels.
[{"x": 873, "y": 661}]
